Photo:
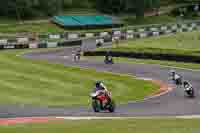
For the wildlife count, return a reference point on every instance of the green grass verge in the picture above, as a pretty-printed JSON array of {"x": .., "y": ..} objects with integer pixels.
[
  {"x": 43, "y": 27},
  {"x": 111, "y": 126},
  {"x": 38, "y": 28},
  {"x": 181, "y": 44},
  {"x": 130, "y": 20},
  {"x": 163, "y": 19},
  {"x": 25, "y": 81}
]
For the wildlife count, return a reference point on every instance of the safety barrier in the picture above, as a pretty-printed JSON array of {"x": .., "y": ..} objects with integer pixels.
[{"x": 123, "y": 34}]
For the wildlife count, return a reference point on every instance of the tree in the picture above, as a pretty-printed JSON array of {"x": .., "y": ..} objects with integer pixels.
[
  {"x": 23, "y": 9},
  {"x": 111, "y": 6},
  {"x": 139, "y": 8}
]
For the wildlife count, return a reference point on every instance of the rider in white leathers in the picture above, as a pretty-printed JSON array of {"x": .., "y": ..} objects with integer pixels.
[
  {"x": 101, "y": 89},
  {"x": 175, "y": 77}
]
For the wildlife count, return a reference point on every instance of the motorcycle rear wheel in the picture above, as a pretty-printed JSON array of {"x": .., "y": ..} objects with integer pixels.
[{"x": 112, "y": 106}]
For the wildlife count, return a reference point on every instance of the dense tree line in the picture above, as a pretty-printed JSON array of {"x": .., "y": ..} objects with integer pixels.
[
  {"x": 120, "y": 6},
  {"x": 31, "y": 8},
  {"x": 28, "y": 8}
]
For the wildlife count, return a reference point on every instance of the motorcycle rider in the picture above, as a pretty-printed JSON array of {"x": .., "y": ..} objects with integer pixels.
[
  {"x": 175, "y": 77},
  {"x": 187, "y": 86},
  {"x": 108, "y": 58},
  {"x": 77, "y": 55},
  {"x": 100, "y": 88}
]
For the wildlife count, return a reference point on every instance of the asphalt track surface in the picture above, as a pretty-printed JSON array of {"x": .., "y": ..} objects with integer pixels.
[{"x": 173, "y": 103}]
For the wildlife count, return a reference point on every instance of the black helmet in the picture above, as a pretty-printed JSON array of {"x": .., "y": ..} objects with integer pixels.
[
  {"x": 185, "y": 83},
  {"x": 98, "y": 84},
  {"x": 172, "y": 71}
]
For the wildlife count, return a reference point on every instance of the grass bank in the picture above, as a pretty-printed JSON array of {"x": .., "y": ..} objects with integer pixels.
[
  {"x": 25, "y": 81},
  {"x": 163, "y": 19},
  {"x": 111, "y": 126},
  {"x": 182, "y": 44},
  {"x": 43, "y": 27}
]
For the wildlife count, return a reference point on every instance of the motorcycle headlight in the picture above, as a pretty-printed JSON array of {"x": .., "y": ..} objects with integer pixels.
[{"x": 93, "y": 95}]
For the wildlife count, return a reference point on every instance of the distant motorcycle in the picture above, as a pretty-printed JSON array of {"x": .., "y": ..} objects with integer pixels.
[
  {"x": 102, "y": 103},
  {"x": 109, "y": 60},
  {"x": 189, "y": 90},
  {"x": 176, "y": 78},
  {"x": 77, "y": 55}
]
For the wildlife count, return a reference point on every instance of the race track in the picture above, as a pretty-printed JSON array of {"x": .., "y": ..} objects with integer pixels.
[{"x": 173, "y": 103}]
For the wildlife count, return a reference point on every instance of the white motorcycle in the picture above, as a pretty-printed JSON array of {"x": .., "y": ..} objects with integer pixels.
[
  {"x": 189, "y": 90},
  {"x": 176, "y": 78}
]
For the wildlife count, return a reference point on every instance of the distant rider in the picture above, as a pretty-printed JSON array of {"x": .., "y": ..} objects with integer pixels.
[
  {"x": 77, "y": 55},
  {"x": 108, "y": 58},
  {"x": 187, "y": 86},
  {"x": 175, "y": 77}
]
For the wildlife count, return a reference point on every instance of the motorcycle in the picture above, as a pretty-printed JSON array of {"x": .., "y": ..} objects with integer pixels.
[
  {"x": 77, "y": 56},
  {"x": 189, "y": 90},
  {"x": 108, "y": 60},
  {"x": 102, "y": 103},
  {"x": 177, "y": 79}
]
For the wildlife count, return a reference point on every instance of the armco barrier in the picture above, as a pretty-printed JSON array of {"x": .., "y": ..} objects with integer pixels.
[{"x": 154, "y": 56}]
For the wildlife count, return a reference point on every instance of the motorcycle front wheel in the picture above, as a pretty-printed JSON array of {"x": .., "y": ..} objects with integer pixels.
[{"x": 95, "y": 106}]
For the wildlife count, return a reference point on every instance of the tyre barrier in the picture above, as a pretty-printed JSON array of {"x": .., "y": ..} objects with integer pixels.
[
  {"x": 156, "y": 30},
  {"x": 45, "y": 44},
  {"x": 41, "y": 45},
  {"x": 107, "y": 36},
  {"x": 143, "y": 55}
]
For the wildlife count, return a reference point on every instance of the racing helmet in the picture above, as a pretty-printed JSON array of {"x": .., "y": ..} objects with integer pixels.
[
  {"x": 172, "y": 72},
  {"x": 99, "y": 84}
]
